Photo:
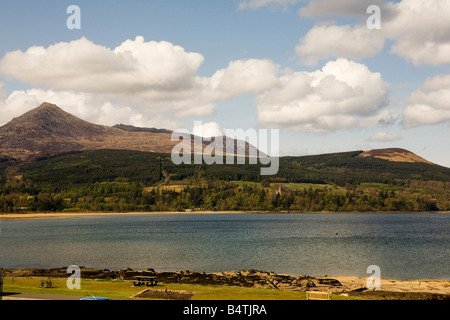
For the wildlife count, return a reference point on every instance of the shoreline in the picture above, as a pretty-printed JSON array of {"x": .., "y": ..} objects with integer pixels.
[
  {"x": 254, "y": 278},
  {"x": 72, "y": 215}
]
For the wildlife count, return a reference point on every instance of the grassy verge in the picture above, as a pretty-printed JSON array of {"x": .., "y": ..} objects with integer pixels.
[{"x": 117, "y": 289}]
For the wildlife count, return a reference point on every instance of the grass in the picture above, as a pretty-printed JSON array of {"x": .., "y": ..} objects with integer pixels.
[
  {"x": 117, "y": 289},
  {"x": 104, "y": 288}
]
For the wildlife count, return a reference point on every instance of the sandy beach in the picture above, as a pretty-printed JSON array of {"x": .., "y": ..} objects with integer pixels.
[
  {"x": 72, "y": 215},
  {"x": 392, "y": 285},
  {"x": 100, "y": 214}
]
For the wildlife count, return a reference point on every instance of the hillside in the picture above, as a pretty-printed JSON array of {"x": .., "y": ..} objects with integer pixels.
[
  {"x": 49, "y": 130},
  {"x": 51, "y": 160},
  {"x": 117, "y": 180},
  {"x": 144, "y": 167},
  {"x": 394, "y": 155}
]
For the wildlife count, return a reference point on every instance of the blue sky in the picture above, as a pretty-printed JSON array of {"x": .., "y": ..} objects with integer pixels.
[{"x": 244, "y": 40}]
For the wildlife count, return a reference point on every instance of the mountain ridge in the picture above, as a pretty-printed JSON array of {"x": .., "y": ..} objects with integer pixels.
[{"x": 49, "y": 130}]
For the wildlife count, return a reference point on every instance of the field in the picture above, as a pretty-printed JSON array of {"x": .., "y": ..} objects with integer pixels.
[{"x": 117, "y": 289}]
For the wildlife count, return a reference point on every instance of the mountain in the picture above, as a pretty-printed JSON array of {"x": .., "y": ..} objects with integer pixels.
[
  {"x": 394, "y": 155},
  {"x": 49, "y": 130},
  {"x": 79, "y": 166},
  {"x": 228, "y": 144}
]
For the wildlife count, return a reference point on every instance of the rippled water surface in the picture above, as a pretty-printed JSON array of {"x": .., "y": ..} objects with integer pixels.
[{"x": 404, "y": 246}]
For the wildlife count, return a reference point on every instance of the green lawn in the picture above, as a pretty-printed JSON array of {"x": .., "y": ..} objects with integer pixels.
[{"x": 117, "y": 289}]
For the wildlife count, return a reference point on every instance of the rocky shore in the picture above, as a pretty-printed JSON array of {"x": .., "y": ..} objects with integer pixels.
[
  {"x": 244, "y": 278},
  {"x": 390, "y": 289}
]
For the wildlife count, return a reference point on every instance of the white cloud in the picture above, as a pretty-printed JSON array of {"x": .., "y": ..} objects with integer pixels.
[
  {"x": 208, "y": 130},
  {"x": 244, "y": 76},
  {"x": 429, "y": 104},
  {"x": 385, "y": 137},
  {"x": 337, "y": 97},
  {"x": 417, "y": 115},
  {"x": 149, "y": 76},
  {"x": 156, "y": 84},
  {"x": 2, "y": 92},
  {"x": 83, "y": 105},
  {"x": 439, "y": 82},
  {"x": 331, "y": 41},
  {"x": 152, "y": 79},
  {"x": 84, "y": 66},
  {"x": 418, "y": 30}
]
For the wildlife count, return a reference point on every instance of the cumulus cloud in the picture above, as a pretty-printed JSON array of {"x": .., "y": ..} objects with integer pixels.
[
  {"x": 207, "y": 130},
  {"x": 242, "y": 77},
  {"x": 331, "y": 41},
  {"x": 85, "y": 66},
  {"x": 339, "y": 96},
  {"x": 429, "y": 104},
  {"x": 83, "y": 105},
  {"x": 438, "y": 82},
  {"x": 149, "y": 76},
  {"x": 385, "y": 137},
  {"x": 147, "y": 80},
  {"x": 156, "y": 84},
  {"x": 418, "y": 30},
  {"x": 2, "y": 92}
]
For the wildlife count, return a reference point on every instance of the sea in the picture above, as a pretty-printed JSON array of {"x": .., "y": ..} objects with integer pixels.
[{"x": 403, "y": 246}]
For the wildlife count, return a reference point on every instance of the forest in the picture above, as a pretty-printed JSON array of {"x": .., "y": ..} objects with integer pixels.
[{"x": 126, "y": 181}]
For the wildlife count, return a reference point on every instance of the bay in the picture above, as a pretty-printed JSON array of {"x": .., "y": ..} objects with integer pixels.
[{"x": 404, "y": 246}]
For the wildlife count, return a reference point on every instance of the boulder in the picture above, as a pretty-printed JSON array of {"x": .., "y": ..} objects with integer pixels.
[
  {"x": 307, "y": 283},
  {"x": 330, "y": 282}
]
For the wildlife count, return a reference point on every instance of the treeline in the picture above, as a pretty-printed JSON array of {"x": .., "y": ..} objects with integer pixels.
[
  {"x": 112, "y": 180},
  {"x": 342, "y": 169},
  {"x": 218, "y": 195}
]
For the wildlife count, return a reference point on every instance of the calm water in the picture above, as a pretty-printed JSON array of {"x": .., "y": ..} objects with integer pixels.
[{"x": 405, "y": 246}]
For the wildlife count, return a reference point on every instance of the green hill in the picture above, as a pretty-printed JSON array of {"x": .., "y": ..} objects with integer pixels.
[{"x": 112, "y": 180}]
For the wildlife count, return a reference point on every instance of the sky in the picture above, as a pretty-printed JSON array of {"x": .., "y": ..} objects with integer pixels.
[{"x": 316, "y": 70}]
